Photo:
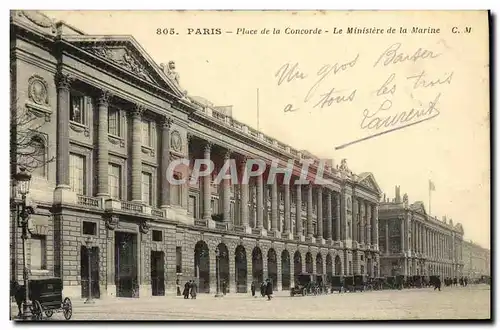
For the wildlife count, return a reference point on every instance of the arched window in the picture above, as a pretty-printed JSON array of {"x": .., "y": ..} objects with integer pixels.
[{"x": 38, "y": 156}]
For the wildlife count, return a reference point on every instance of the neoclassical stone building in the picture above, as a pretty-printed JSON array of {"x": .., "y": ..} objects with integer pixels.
[
  {"x": 412, "y": 242},
  {"x": 477, "y": 260},
  {"x": 113, "y": 120}
]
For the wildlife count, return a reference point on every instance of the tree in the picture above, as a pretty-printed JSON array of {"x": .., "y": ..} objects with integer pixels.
[{"x": 28, "y": 149}]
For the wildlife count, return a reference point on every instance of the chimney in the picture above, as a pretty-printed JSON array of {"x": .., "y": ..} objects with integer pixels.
[
  {"x": 384, "y": 198},
  {"x": 398, "y": 196},
  {"x": 444, "y": 218}
]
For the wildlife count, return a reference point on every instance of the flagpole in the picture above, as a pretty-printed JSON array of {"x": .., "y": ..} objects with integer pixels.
[
  {"x": 430, "y": 199},
  {"x": 258, "y": 110}
]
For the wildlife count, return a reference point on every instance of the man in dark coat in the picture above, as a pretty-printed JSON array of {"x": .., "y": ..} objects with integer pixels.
[
  {"x": 269, "y": 289},
  {"x": 437, "y": 283},
  {"x": 252, "y": 288},
  {"x": 263, "y": 289},
  {"x": 224, "y": 287},
  {"x": 194, "y": 289},
  {"x": 187, "y": 287}
]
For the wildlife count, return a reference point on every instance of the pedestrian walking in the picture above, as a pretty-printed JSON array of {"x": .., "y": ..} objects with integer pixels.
[
  {"x": 269, "y": 289},
  {"x": 263, "y": 286},
  {"x": 224, "y": 287},
  {"x": 194, "y": 290},
  {"x": 187, "y": 288},
  {"x": 437, "y": 284},
  {"x": 252, "y": 288}
]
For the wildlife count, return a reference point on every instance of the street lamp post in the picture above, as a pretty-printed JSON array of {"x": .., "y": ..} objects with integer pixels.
[
  {"x": 88, "y": 242},
  {"x": 22, "y": 180},
  {"x": 217, "y": 262}
]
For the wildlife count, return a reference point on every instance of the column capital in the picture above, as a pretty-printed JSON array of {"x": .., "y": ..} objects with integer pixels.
[
  {"x": 227, "y": 154},
  {"x": 104, "y": 98},
  {"x": 63, "y": 80},
  {"x": 166, "y": 122},
  {"x": 137, "y": 112},
  {"x": 207, "y": 147}
]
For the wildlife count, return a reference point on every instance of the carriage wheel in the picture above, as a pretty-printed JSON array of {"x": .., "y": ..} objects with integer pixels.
[
  {"x": 37, "y": 311},
  {"x": 49, "y": 313},
  {"x": 67, "y": 308}
]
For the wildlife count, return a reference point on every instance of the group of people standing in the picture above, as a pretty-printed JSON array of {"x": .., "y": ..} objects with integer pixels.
[
  {"x": 190, "y": 288},
  {"x": 266, "y": 289}
]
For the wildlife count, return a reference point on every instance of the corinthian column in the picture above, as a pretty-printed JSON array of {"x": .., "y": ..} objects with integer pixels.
[
  {"x": 260, "y": 202},
  {"x": 338, "y": 219},
  {"x": 244, "y": 194},
  {"x": 274, "y": 205},
  {"x": 362, "y": 225},
  {"x": 63, "y": 82},
  {"x": 310, "y": 233},
  {"x": 136, "y": 153},
  {"x": 166, "y": 122},
  {"x": 329, "y": 215},
  {"x": 368, "y": 224},
  {"x": 355, "y": 219},
  {"x": 319, "y": 214},
  {"x": 287, "y": 213},
  {"x": 102, "y": 145},
  {"x": 207, "y": 193},
  {"x": 298, "y": 211},
  {"x": 226, "y": 191}
]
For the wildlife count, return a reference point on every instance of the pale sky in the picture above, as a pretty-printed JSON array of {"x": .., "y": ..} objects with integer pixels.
[{"x": 451, "y": 149}]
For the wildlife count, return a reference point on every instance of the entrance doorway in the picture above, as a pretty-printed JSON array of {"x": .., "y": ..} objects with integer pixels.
[
  {"x": 93, "y": 254},
  {"x": 126, "y": 265},
  {"x": 157, "y": 273}
]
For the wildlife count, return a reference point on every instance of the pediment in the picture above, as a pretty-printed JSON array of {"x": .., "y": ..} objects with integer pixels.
[
  {"x": 125, "y": 52},
  {"x": 368, "y": 180}
]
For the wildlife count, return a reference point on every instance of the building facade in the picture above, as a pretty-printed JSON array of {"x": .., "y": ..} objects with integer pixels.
[
  {"x": 411, "y": 242},
  {"x": 476, "y": 259},
  {"x": 112, "y": 121}
]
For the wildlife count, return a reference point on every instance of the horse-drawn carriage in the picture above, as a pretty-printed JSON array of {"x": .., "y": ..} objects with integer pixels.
[
  {"x": 359, "y": 282},
  {"x": 46, "y": 298},
  {"x": 336, "y": 283}
]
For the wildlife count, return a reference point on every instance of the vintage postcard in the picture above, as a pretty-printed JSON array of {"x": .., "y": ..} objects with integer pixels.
[{"x": 249, "y": 165}]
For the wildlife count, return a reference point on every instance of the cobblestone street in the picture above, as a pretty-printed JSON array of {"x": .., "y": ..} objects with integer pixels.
[{"x": 472, "y": 302}]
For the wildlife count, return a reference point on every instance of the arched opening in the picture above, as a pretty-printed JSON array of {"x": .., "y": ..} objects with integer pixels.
[
  {"x": 240, "y": 265},
  {"x": 319, "y": 264},
  {"x": 338, "y": 266},
  {"x": 329, "y": 267},
  {"x": 297, "y": 265},
  {"x": 309, "y": 263},
  {"x": 202, "y": 266},
  {"x": 257, "y": 266},
  {"x": 285, "y": 270},
  {"x": 272, "y": 267},
  {"x": 222, "y": 268}
]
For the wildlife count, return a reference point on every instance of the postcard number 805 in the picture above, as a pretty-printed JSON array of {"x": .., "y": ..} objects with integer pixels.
[{"x": 165, "y": 31}]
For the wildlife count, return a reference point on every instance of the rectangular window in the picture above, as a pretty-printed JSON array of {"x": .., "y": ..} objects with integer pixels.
[
  {"x": 147, "y": 186},
  {"x": 178, "y": 259},
  {"x": 114, "y": 121},
  {"x": 114, "y": 181},
  {"x": 146, "y": 133},
  {"x": 157, "y": 236},
  {"x": 77, "y": 173},
  {"x": 176, "y": 197},
  {"x": 38, "y": 252},
  {"x": 89, "y": 228},
  {"x": 192, "y": 206},
  {"x": 77, "y": 108}
]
